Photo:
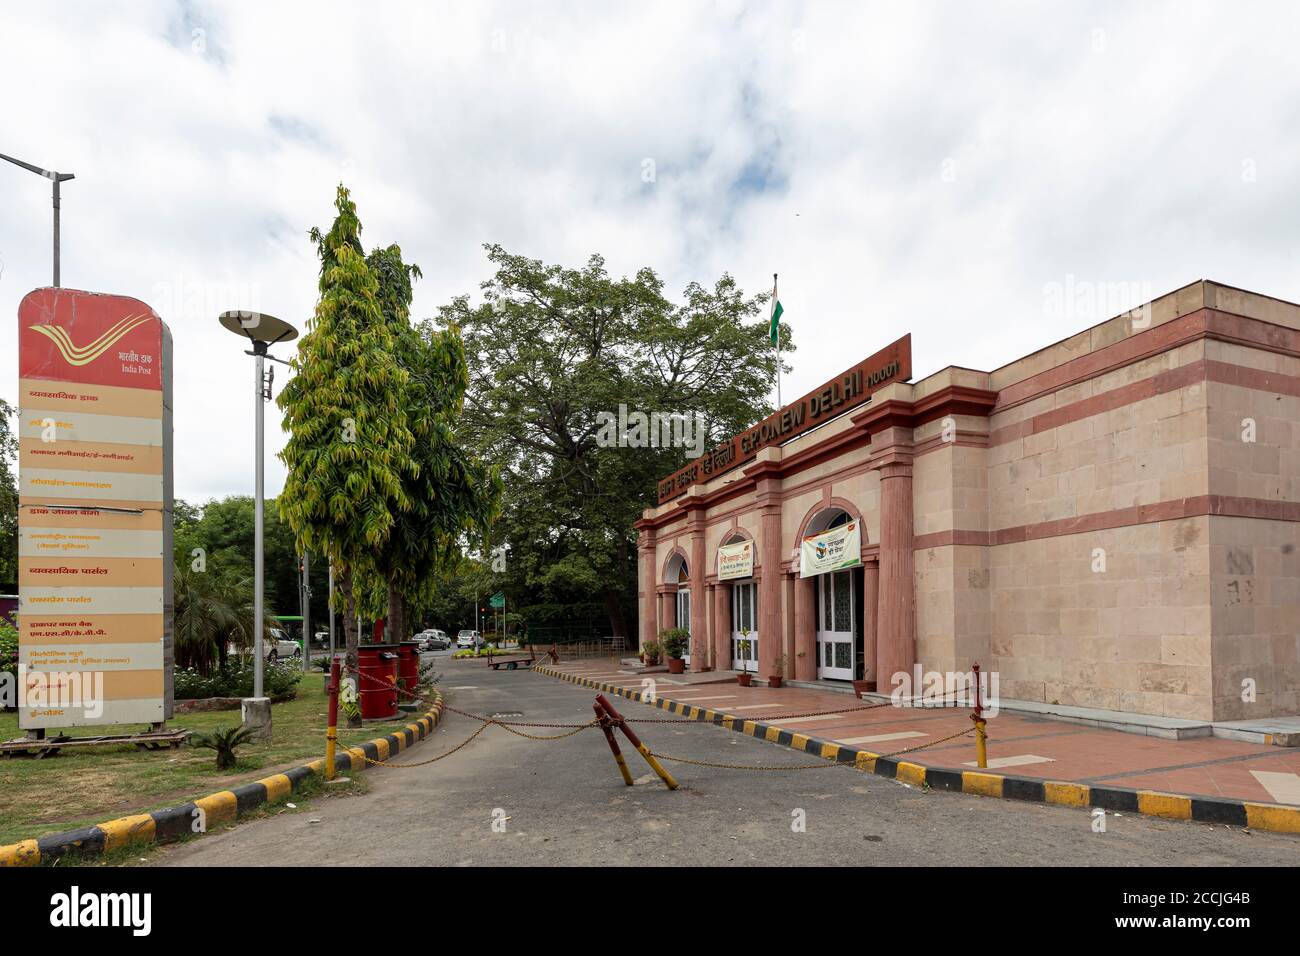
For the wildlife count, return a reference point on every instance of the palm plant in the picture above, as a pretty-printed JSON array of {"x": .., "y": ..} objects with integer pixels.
[
  {"x": 212, "y": 610},
  {"x": 223, "y": 741}
]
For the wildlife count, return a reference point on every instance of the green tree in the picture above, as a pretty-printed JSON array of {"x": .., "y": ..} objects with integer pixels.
[
  {"x": 8, "y": 499},
  {"x": 350, "y": 443},
  {"x": 451, "y": 494},
  {"x": 212, "y": 611},
  {"x": 551, "y": 348}
]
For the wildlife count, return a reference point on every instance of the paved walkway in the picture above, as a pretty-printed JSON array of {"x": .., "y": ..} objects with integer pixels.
[{"x": 1019, "y": 744}]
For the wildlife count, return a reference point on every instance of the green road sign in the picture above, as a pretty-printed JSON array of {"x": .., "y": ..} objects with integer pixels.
[{"x": 499, "y": 599}]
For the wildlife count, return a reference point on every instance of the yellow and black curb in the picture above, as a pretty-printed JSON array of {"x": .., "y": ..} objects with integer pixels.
[
  {"x": 1173, "y": 806},
  {"x": 224, "y": 806}
]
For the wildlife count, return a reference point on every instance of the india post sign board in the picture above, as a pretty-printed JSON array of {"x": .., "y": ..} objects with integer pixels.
[
  {"x": 891, "y": 364},
  {"x": 95, "y": 511}
]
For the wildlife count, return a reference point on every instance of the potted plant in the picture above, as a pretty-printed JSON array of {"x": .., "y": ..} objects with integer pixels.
[
  {"x": 743, "y": 645},
  {"x": 674, "y": 641},
  {"x": 650, "y": 653},
  {"x": 861, "y": 687},
  {"x": 774, "y": 679}
]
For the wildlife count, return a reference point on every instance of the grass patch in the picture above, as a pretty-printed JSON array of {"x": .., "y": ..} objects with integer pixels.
[{"x": 82, "y": 788}]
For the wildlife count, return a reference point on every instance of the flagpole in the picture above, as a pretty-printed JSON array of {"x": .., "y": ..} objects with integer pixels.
[{"x": 778, "y": 348}]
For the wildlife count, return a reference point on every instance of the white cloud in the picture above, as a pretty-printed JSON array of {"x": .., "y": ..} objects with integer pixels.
[{"x": 903, "y": 166}]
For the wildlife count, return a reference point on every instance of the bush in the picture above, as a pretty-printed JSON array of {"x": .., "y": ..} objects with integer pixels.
[
  {"x": 9, "y": 653},
  {"x": 235, "y": 679},
  {"x": 674, "y": 641}
]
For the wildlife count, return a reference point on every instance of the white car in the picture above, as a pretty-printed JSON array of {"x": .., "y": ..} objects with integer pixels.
[
  {"x": 276, "y": 648},
  {"x": 281, "y": 646},
  {"x": 468, "y": 639}
]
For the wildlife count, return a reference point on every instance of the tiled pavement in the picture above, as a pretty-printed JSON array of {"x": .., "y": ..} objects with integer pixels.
[{"x": 1024, "y": 745}]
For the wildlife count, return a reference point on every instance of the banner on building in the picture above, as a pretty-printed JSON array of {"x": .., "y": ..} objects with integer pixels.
[
  {"x": 95, "y": 511},
  {"x": 831, "y": 550},
  {"x": 736, "y": 561}
]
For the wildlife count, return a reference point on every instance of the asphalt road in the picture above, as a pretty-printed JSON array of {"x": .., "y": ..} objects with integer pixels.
[{"x": 563, "y": 802}]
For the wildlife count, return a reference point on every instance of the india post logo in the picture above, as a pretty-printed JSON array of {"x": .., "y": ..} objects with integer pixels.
[
  {"x": 74, "y": 355},
  {"x": 66, "y": 335}
]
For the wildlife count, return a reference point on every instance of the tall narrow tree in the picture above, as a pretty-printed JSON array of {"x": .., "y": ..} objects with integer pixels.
[
  {"x": 451, "y": 495},
  {"x": 350, "y": 444}
]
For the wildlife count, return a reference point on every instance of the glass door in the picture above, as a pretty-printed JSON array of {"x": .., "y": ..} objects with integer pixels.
[
  {"x": 835, "y": 625},
  {"x": 744, "y": 618}
]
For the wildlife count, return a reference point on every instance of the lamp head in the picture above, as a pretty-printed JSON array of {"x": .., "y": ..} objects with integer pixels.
[{"x": 258, "y": 327}]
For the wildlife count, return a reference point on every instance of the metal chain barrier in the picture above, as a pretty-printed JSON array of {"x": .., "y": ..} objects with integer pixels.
[
  {"x": 809, "y": 766},
  {"x": 812, "y": 713},
  {"x": 614, "y": 719}
]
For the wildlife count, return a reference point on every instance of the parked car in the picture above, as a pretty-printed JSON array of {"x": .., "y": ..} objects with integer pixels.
[
  {"x": 276, "y": 647},
  {"x": 469, "y": 639},
  {"x": 281, "y": 646},
  {"x": 436, "y": 640}
]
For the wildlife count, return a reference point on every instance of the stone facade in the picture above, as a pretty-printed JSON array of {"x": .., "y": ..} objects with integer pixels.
[{"x": 1112, "y": 522}]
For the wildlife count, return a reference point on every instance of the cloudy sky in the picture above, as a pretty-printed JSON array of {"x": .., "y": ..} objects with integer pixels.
[{"x": 952, "y": 170}]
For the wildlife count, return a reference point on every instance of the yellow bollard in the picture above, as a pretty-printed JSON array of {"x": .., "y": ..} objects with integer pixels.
[
  {"x": 332, "y": 731},
  {"x": 981, "y": 736}
]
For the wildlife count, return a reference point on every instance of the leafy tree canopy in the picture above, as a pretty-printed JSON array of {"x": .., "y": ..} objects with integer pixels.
[{"x": 551, "y": 348}]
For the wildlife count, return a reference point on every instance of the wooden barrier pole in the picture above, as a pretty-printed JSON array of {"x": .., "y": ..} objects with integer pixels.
[
  {"x": 641, "y": 748},
  {"x": 607, "y": 727}
]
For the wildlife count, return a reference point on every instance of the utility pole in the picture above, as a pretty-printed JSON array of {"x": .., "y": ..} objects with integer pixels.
[{"x": 56, "y": 179}]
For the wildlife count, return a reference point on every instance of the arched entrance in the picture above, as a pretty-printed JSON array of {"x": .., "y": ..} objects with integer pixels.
[
  {"x": 837, "y": 607},
  {"x": 678, "y": 575}
]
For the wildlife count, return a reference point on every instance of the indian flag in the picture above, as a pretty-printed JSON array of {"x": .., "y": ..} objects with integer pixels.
[{"x": 774, "y": 326}]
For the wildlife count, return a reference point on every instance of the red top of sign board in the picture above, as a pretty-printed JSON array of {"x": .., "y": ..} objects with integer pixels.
[{"x": 73, "y": 336}]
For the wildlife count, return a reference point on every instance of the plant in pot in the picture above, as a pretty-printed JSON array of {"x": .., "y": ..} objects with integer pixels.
[
  {"x": 778, "y": 672},
  {"x": 743, "y": 647},
  {"x": 650, "y": 653},
  {"x": 674, "y": 641}
]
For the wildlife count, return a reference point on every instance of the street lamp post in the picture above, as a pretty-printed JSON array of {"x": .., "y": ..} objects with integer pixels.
[
  {"x": 55, "y": 179},
  {"x": 306, "y": 612},
  {"x": 331, "y": 610},
  {"x": 262, "y": 331}
]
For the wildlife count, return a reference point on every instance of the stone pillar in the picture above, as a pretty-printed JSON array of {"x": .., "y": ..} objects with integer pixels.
[
  {"x": 668, "y": 611},
  {"x": 769, "y": 587},
  {"x": 699, "y": 623},
  {"x": 648, "y": 602},
  {"x": 870, "y": 616},
  {"x": 805, "y": 629},
  {"x": 722, "y": 626},
  {"x": 896, "y": 625}
]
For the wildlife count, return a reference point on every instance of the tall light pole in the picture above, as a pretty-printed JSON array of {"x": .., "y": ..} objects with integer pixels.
[
  {"x": 55, "y": 179},
  {"x": 306, "y": 612},
  {"x": 331, "y": 609},
  {"x": 262, "y": 331}
]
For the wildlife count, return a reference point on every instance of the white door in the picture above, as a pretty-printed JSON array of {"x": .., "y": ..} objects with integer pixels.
[
  {"x": 744, "y": 614},
  {"x": 684, "y": 616},
  {"x": 835, "y": 625}
]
